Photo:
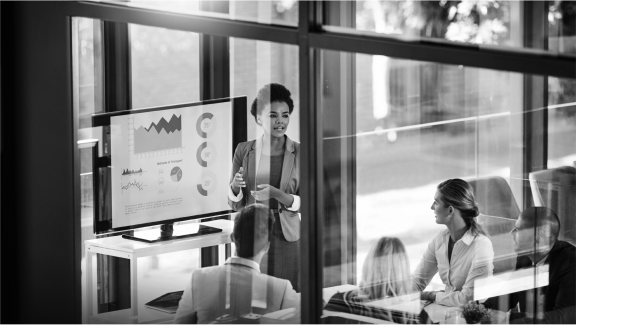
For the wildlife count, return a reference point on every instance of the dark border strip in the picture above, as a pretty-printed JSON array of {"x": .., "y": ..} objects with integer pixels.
[{"x": 185, "y": 22}]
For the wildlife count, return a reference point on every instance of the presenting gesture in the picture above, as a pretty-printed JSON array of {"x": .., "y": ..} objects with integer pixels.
[
  {"x": 238, "y": 181},
  {"x": 265, "y": 192}
]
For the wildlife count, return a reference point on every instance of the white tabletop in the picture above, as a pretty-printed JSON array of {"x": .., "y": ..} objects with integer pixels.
[
  {"x": 140, "y": 249},
  {"x": 435, "y": 311}
]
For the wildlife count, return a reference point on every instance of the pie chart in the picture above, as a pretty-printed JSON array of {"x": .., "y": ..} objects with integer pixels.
[
  {"x": 206, "y": 125},
  {"x": 206, "y": 153},
  {"x": 176, "y": 174},
  {"x": 207, "y": 183}
]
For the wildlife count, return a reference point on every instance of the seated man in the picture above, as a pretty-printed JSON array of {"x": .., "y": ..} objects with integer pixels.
[
  {"x": 535, "y": 240},
  {"x": 228, "y": 292}
]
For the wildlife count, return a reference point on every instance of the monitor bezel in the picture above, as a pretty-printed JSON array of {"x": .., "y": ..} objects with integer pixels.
[{"x": 238, "y": 134}]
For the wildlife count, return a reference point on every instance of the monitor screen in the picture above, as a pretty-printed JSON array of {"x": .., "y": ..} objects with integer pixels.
[{"x": 169, "y": 164}]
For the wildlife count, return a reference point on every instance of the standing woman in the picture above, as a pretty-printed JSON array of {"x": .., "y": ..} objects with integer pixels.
[
  {"x": 267, "y": 171},
  {"x": 462, "y": 253}
]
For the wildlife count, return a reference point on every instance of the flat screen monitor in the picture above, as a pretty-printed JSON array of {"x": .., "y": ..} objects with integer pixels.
[{"x": 165, "y": 164}]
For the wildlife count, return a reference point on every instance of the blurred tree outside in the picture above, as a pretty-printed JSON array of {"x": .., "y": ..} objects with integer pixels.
[{"x": 481, "y": 22}]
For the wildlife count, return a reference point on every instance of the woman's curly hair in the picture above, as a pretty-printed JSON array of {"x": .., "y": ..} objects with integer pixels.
[{"x": 268, "y": 94}]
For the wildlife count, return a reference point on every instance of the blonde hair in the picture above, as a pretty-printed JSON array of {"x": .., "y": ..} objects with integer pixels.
[{"x": 386, "y": 270}]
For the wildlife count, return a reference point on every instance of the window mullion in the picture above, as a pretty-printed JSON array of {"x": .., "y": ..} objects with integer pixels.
[
  {"x": 214, "y": 83},
  {"x": 311, "y": 189}
]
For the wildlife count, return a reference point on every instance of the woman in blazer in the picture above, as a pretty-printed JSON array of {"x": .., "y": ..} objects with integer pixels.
[{"x": 267, "y": 171}]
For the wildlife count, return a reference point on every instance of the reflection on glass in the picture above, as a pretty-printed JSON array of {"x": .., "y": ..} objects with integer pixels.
[
  {"x": 85, "y": 55},
  {"x": 168, "y": 5},
  {"x": 237, "y": 292},
  {"x": 394, "y": 129},
  {"x": 562, "y": 122},
  {"x": 478, "y": 22},
  {"x": 386, "y": 281},
  {"x": 276, "y": 12},
  {"x": 562, "y": 26},
  {"x": 164, "y": 70},
  {"x": 494, "y": 22},
  {"x": 543, "y": 285},
  {"x": 257, "y": 63},
  {"x": 164, "y": 66},
  {"x": 462, "y": 253}
]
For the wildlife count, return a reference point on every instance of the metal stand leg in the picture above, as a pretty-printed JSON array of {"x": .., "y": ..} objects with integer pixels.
[
  {"x": 134, "y": 287},
  {"x": 88, "y": 255}
]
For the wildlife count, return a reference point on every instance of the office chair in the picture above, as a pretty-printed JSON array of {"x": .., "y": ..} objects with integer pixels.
[
  {"x": 494, "y": 197},
  {"x": 556, "y": 189},
  {"x": 499, "y": 212}
]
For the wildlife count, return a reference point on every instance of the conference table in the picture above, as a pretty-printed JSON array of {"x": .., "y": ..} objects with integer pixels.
[{"x": 435, "y": 311}]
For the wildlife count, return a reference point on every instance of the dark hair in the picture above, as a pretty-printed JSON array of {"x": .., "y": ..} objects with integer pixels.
[
  {"x": 251, "y": 229},
  {"x": 459, "y": 194},
  {"x": 268, "y": 94},
  {"x": 540, "y": 217}
]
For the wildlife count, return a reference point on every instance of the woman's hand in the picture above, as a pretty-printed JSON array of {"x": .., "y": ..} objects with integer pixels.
[
  {"x": 269, "y": 192},
  {"x": 428, "y": 295},
  {"x": 266, "y": 192},
  {"x": 238, "y": 181}
]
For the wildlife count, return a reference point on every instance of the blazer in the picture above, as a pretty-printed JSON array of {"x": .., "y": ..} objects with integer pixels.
[
  {"x": 247, "y": 156},
  {"x": 233, "y": 289},
  {"x": 559, "y": 306}
]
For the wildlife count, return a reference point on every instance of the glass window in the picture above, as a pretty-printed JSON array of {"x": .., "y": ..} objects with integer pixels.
[
  {"x": 165, "y": 70},
  {"x": 257, "y": 63},
  {"x": 492, "y": 22},
  {"x": 275, "y": 12},
  {"x": 562, "y": 122},
  {"x": 164, "y": 66},
  {"x": 87, "y": 53},
  {"x": 394, "y": 130}
]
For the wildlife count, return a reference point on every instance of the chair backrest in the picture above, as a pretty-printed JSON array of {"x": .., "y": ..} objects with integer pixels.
[
  {"x": 494, "y": 197},
  {"x": 499, "y": 211},
  {"x": 499, "y": 229},
  {"x": 556, "y": 189}
]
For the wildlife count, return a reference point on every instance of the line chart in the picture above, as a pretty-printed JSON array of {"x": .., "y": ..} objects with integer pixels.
[{"x": 134, "y": 184}]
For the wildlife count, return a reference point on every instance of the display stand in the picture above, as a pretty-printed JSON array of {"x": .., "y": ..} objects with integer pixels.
[{"x": 132, "y": 250}]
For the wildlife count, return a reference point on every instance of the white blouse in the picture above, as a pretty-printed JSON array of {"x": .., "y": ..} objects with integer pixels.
[{"x": 471, "y": 259}]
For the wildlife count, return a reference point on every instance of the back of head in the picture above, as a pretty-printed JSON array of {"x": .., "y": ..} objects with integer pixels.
[
  {"x": 458, "y": 193},
  {"x": 251, "y": 230},
  {"x": 386, "y": 270},
  {"x": 544, "y": 220}
]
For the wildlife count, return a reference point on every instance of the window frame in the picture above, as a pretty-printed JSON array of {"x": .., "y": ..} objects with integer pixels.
[{"x": 311, "y": 37}]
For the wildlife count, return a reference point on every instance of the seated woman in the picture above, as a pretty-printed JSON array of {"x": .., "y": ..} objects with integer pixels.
[
  {"x": 385, "y": 275},
  {"x": 461, "y": 253}
]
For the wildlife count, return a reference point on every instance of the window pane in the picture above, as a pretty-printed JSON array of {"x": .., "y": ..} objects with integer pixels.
[
  {"x": 87, "y": 89},
  {"x": 562, "y": 122},
  {"x": 276, "y": 12},
  {"x": 393, "y": 131},
  {"x": 164, "y": 66},
  {"x": 257, "y": 63},
  {"x": 164, "y": 70},
  {"x": 475, "y": 22}
]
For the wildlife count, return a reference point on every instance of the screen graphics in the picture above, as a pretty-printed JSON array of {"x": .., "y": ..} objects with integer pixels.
[{"x": 171, "y": 163}]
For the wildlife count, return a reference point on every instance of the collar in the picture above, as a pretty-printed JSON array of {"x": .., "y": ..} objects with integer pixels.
[
  {"x": 467, "y": 239},
  {"x": 243, "y": 261},
  {"x": 288, "y": 144},
  {"x": 556, "y": 246},
  {"x": 541, "y": 262}
]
